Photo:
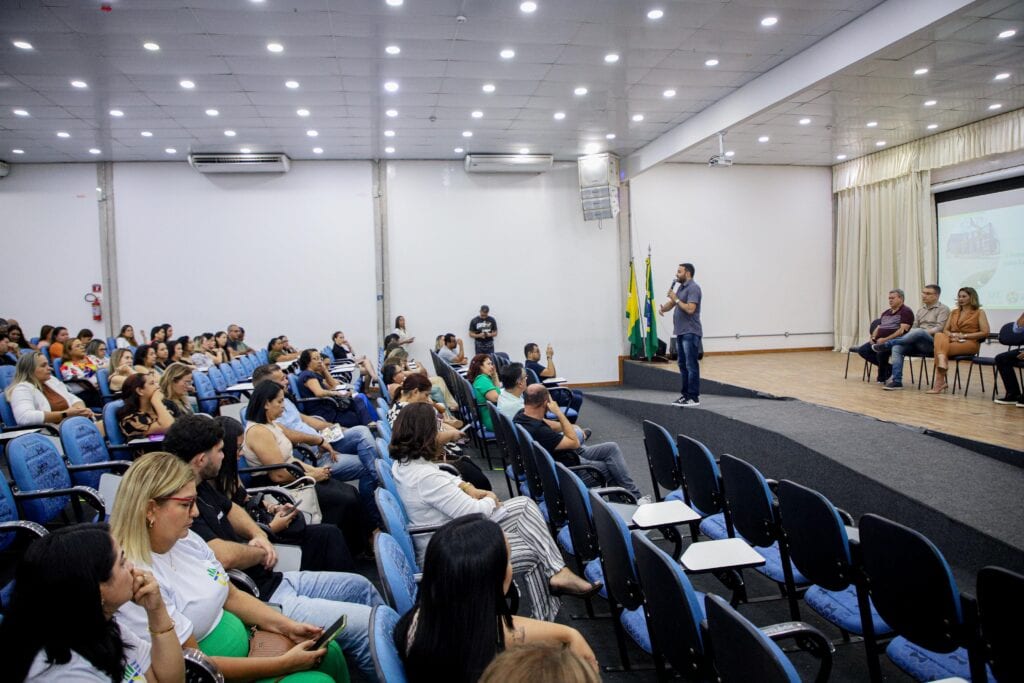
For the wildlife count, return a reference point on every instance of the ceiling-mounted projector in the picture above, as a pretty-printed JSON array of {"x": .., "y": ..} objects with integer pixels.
[{"x": 720, "y": 160}]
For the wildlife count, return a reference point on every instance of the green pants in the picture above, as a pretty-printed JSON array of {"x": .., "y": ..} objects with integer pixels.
[{"x": 231, "y": 639}]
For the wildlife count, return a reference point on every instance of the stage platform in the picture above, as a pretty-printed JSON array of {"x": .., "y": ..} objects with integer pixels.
[{"x": 969, "y": 501}]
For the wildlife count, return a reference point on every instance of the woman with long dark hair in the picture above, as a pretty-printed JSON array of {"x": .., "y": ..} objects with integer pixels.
[
  {"x": 460, "y": 620},
  {"x": 433, "y": 496},
  {"x": 145, "y": 359},
  {"x": 126, "y": 337},
  {"x": 81, "y": 574},
  {"x": 339, "y": 405},
  {"x": 144, "y": 412},
  {"x": 483, "y": 375}
]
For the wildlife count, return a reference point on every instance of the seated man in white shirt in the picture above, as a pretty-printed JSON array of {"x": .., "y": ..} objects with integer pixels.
[
  {"x": 449, "y": 353},
  {"x": 514, "y": 381}
]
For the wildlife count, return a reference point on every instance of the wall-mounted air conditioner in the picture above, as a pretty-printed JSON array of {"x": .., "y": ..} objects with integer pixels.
[
  {"x": 508, "y": 163},
  {"x": 239, "y": 163}
]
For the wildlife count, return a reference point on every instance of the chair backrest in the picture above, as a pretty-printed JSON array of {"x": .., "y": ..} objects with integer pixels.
[
  {"x": 545, "y": 464},
  {"x": 6, "y": 375},
  {"x": 103, "y": 381},
  {"x": 240, "y": 372},
  {"x": 8, "y": 513},
  {"x": 674, "y": 609},
  {"x": 663, "y": 458},
  {"x": 328, "y": 353},
  {"x": 818, "y": 544},
  {"x": 576, "y": 500},
  {"x": 56, "y": 363},
  {"x": 293, "y": 385},
  {"x": 508, "y": 442},
  {"x": 46, "y": 352},
  {"x": 395, "y": 521},
  {"x": 1000, "y": 605},
  {"x": 247, "y": 363},
  {"x": 700, "y": 476},
  {"x": 741, "y": 651},
  {"x": 110, "y": 426},
  {"x": 529, "y": 458},
  {"x": 382, "y": 645},
  {"x": 229, "y": 374},
  {"x": 1007, "y": 337},
  {"x": 750, "y": 501},
  {"x": 83, "y": 445},
  {"x": 397, "y": 576},
  {"x": 532, "y": 376},
  {"x": 616, "y": 554},
  {"x": 111, "y": 345},
  {"x": 205, "y": 393},
  {"x": 387, "y": 480},
  {"x": 36, "y": 465},
  {"x": 912, "y": 586},
  {"x": 6, "y": 414},
  {"x": 217, "y": 379},
  {"x": 263, "y": 355}
]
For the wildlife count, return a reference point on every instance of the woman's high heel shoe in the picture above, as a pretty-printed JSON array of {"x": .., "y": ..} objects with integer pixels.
[{"x": 938, "y": 388}]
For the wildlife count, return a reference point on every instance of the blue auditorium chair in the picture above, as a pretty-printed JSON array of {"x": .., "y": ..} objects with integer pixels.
[
  {"x": 703, "y": 487},
  {"x": 396, "y": 523},
  {"x": 15, "y": 536},
  {"x": 209, "y": 399},
  {"x": 6, "y": 375},
  {"x": 37, "y": 467},
  {"x": 87, "y": 453},
  {"x": 663, "y": 461},
  {"x": 263, "y": 356},
  {"x": 1000, "y": 605},
  {"x": 386, "y": 661},
  {"x": 110, "y": 425},
  {"x": 397, "y": 575},
  {"x": 103, "y": 382}
]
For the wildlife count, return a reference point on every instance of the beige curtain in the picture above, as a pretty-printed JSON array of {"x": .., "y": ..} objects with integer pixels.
[{"x": 885, "y": 218}]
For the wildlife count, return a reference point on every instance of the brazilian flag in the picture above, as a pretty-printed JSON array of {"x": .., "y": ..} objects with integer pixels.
[
  {"x": 636, "y": 342},
  {"x": 652, "y": 323}
]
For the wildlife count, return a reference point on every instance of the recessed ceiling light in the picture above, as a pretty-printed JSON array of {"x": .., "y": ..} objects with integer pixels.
[
  {"x": 804, "y": 121},
  {"x": 302, "y": 112},
  {"x": 840, "y": 157},
  {"x": 1009, "y": 33},
  {"x": 391, "y": 86},
  {"x": 20, "y": 112},
  {"x": 507, "y": 53},
  {"x": 230, "y": 133},
  {"x": 391, "y": 113},
  {"x": 187, "y": 85},
  {"x": 611, "y": 58},
  {"x": 93, "y": 150},
  {"x": 312, "y": 133},
  {"x": 669, "y": 93},
  {"x": 395, "y": 3},
  {"x": 528, "y": 7},
  {"x": 392, "y": 49},
  {"x": 79, "y": 84},
  {"x": 117, "y": 113},
  {"x": 17, "y": 151},
  {"x": 995, "y": 106},
  {"x": 245, "y": 150},
  {"x": 212, "y": 112},
  {"x": 880, "y": 143},
  {"x": 769, "y": 21},
  {"x": 871, "y": 124},
  {"x": 559, "y": 115},
  {"x": 1001, "y": 77},
  {"x": 291, "y": 84},
  {"x": 152, "y": 47},
  {"x": 920, "y": 72},
  {"x": 730, "y": 153},
  {"x": 929, "y": 103},
  {"x": 711, "y": 62},
  {"x": 592, "y": 148},
  {"x": 477, "y": 114},
  {"x": 467, "y": 133},
  {"x": 170, "y": 150},
  {"x": 146, "y": 134},
  {"x": 318, "y": 150},
  {"x": 389, "y": 133},
  {"x": 580, "y": 91},
  {"x": 932, "y": 126},
  {"x": 763, "y": 138},
  {"x": 389, "y": 150},
  {"x": 458, "y": 150},
  {"x": 637, "y": 118},
  {"x": 63, "y": 134},
  {"x": 655, "y": 14},
  {"x": 275, "y": 47},
  {"x": 524, "y": 150},
  {"x": 609, "y": 136},
  {"x": 488, "y": 87},
  {"x": 22, "y": 45}
]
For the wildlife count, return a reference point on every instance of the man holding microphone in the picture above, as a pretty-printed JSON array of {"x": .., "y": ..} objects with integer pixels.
[{"x": 685, "y": 304}]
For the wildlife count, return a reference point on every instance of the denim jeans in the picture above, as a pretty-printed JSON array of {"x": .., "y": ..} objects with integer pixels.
[
  {"x": 357, "y": 453},
  {"x": 687, "y": 346},
  {"x": 916, "y": 341},
  {"x": 607, "y": 458},
  {"x": 320, "y": 598}
]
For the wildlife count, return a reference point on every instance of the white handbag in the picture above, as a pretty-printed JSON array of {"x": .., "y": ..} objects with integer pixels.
[{"x": 303, "y": 490}]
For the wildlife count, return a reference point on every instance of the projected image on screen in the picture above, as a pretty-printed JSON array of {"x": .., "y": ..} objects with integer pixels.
[{"x": 981, "y": 245}]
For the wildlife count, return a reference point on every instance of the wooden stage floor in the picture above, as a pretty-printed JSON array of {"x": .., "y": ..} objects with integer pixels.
[{"x": 817, "y": 377}]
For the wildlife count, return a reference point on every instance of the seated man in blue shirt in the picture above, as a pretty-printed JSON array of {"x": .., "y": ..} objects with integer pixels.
[
  {"x": 350, "y": 457},
  {"x": 532, "y": 353}
]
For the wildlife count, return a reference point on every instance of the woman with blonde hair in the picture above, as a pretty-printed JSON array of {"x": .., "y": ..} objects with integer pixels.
[
  {"x": 966, "y": 326},
  {"x": 539, "y": 663},
  {"x": 152, "y": 516},
  {"x": 36, "y": 396},
  {"x": 176, "y": 385},
  {"x": 121, "y": 367}
]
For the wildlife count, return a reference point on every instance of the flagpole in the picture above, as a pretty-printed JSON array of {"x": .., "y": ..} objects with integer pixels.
[{"x": 640, "y": 311}]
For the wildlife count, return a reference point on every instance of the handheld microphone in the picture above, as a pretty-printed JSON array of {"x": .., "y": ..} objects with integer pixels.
[{"x": 672, "y": 287}]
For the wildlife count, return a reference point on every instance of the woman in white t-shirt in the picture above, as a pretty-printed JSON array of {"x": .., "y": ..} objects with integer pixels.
[
  {"x": 403, "y": 336},
  {"x": 60, "y": 626},
  {"x": 155, "y": 506}
]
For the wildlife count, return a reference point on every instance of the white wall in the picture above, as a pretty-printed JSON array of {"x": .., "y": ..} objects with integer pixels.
[
  {"x": 49, "y": 229},
  {"x": 515, "y": 242},
  {"x": 278, "y": 253},
  {"x": 760, "y": 238}
]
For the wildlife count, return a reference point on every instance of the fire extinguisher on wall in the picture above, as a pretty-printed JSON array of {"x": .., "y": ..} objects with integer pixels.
[{"x": 96, "y": 304}]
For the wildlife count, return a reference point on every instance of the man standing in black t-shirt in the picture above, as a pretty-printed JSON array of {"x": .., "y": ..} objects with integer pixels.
[
  {"x": 483, "y": 329},
  {"x": 318, "y": 598}
]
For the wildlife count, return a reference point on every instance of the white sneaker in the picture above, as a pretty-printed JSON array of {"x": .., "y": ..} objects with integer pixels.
[
  {"x": 644, "y": 500},
  {"x": 679, "y": 402}
]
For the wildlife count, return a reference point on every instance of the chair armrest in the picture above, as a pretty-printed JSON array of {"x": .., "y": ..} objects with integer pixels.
[
  {"x": 308, "y": 454},
  {"x": 423, "y": 529},
  {"x": 448, "y": 468},
  {"x": 773, "y": 485},
  {"x": 24, "y": 526},
  {"x": 292, "y": 467},
  {"x": 53, "y": 429},
  {"x": 846, "y": 517},
  {"x": 243, "y": 582},
  {"x": 610, "y": 492},
  {"x": 279, "y": 493},
  {"x": 589, "y": 474},
  {"x": 199, "y": 667},
  {"x": 91, "y": 496},
  {"x": 223, "y": 397},
  {"x": 116, "y": 465},
  {"x": 808, "y": 638}
]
